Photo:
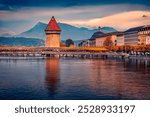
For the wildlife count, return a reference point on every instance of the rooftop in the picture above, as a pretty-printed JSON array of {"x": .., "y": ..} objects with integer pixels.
[
  {"x": 107, "y": 34},
  {"x": 139, "y": 28},
  {"x": 97, "y": 34},
  {"x": 52, "y": 25}
]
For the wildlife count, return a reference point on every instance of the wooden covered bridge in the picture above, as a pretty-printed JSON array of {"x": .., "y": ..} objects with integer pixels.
[{"x": 60, "y": 52}]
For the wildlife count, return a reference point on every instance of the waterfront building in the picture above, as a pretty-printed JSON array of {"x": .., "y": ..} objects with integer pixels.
[
  {"x": 52, "y": 34},
  {"x": 137, "y": 35},
  {"x": 100, "y": 39},
  {"x": 78, "y": 43},
  {"x": 120, "y": 39},
  {"x": 144, "y": 35},
  {"x": 88, "y": 43},
  {"x": 92, "y": 41},
  {"x": 85, "y": 43},
  {"x": 131, "y": 36},
  {"x": 148, "y": 39},
  {"x": 108, "y": 39}
]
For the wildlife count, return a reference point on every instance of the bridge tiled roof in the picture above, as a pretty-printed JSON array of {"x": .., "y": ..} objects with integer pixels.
[{"x": 53, "y": 25}]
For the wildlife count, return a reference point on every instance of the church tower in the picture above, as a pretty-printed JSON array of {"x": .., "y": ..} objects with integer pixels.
[{"x": 52, "y": 34}]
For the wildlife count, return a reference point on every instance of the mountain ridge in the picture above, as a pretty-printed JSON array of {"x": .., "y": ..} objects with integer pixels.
[{"x": 68, "y": 31}]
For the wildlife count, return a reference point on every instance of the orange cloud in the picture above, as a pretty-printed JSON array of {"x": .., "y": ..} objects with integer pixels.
[{"x": 119, "y": 21}]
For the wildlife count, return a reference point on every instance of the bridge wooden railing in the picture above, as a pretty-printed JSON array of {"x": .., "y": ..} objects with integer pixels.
[
  {"x": 61, "y": 49},
  {"x": 26, "y": 51}
]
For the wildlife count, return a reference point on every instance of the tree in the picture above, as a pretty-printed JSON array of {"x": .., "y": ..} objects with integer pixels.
[
  {"x": 108, "y": 42},
  {"x": 69, "y": 42}
]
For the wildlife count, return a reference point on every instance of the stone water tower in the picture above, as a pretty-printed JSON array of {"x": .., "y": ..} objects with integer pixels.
[{"x": 52, "y": 34}]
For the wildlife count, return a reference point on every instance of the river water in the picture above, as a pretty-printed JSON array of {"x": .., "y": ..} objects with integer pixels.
[{"x": 70, "y": 78}]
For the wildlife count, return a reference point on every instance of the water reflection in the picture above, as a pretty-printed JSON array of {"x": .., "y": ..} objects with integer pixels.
[
  {"x": 52, "y": 74},
  {"x": 120, "y": 79},
  {"x": 107, "y": 79},
  {"x": 68, "y": 78},
  {"x": 135, "y": 65}
]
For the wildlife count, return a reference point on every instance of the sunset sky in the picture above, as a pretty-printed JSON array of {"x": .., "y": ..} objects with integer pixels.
[{"x": 17, "y": 16}]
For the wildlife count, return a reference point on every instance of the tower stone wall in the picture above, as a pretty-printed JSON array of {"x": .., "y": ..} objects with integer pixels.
[{"x": 53, "y": 40}]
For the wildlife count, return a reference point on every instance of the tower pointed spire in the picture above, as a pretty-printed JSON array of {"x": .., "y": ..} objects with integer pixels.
[{"x": 52, "y": 25}]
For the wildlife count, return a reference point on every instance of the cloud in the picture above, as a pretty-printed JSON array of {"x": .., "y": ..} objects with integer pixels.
[
  {"x": 68, "y": 3},
  {"x": 69, "y": 13},
  {"x": 120, "y": 21},
  {"x": 104, "y": 15}
]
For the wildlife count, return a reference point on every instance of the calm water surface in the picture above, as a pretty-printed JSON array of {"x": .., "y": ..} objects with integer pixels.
[{"x": 53, "y": 78}]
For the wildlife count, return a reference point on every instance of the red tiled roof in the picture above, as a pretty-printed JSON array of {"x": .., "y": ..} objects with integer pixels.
[{"x": 52, "y": 25}]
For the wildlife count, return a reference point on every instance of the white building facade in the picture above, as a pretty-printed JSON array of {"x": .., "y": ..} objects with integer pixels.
[{"x": 137, "y": 35}]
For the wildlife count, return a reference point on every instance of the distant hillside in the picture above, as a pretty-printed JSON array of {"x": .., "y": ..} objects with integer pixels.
[
  {"x": 20, "y": 41},
  {"x": 36, "y": 32},
  {"x": 75, "y": 33},
  {"x": 108, "y": 29},
  {"x": 68, "y": 31}
]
